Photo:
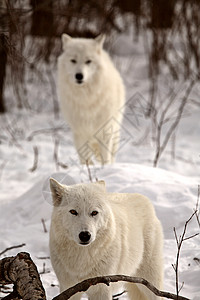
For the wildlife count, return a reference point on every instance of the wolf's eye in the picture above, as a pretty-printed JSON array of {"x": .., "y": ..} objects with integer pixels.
[
  {"x": 73, "y": 61},
  {"x": 73, "y": 212},
  {"x": 94, "y": 213},
  {"x": 88, "y": 61}
]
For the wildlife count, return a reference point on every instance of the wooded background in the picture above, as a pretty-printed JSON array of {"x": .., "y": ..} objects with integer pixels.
[{"x": 40, "y": 23}]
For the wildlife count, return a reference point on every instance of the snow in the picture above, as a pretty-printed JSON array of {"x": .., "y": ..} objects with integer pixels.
[
  {"x": 174, "y": 198},
  {"x": 172, "y": 187}
]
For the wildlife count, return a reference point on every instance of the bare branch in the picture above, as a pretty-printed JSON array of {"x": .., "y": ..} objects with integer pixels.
[
  {"x": 181, "y": 287},
  {"x": 197, "y": 205},
  {"x": 84, "y": 285},
  {"x": 197, "y": 260},
  {"x": 2, "y": 166},
  {"x": 175, "y": 235},
  {"x": 179, "y": 244},
  {"x": 54, "y": 96},
  {"x": 190, "y": 237},
  {"x": 35, "y": 163},
  {"x": 55, "y": 153},
  {"x": 173, "y": 266},
  {"x": 160, "y": 147},
  {"x": 11, "y": 132},
  {"x": 43, "y": 257},
  {"x": 118, "y": 295},
  {"x": 49, "y": 131},
  {"x": 12, "y": 247},
  {"x": 44, "y": 225},
  {"x": 44, "y": 271}
]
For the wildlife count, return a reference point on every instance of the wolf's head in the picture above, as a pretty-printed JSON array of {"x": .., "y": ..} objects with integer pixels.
[
  {"x": 81, "y": 58},
  {"x": 81, "y": 210}
]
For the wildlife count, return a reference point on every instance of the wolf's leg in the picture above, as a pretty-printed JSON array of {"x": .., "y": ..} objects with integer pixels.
[
  {"x": 152, "y": 267},
  {"x": 76, "y": 296},
  {"x": 134, "y": 293},
  {"x": 83, "y": 148},
  {"x": 100, "y": 292},
  {"x": 64, "y": 287},
  {"x": 115, "y": 146},
  {"x": 111, "y": 143},
  {"x": 106, "y": 152}
]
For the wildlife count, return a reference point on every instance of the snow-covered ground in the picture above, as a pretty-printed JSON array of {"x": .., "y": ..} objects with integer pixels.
[{"x": 173, "y": 186}]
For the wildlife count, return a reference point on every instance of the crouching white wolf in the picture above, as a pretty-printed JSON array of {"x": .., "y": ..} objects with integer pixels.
[
  {"x": 92, "y": 96},
  {"x": 95, "y": 233}
]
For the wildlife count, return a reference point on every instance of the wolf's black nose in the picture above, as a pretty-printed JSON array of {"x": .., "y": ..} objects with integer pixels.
[
  {"x": 84, "y": 237},
  {"x": 79, "y": 76}
]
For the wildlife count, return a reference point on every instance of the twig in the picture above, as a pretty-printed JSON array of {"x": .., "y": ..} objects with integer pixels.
[
  {"x": 118, "y": 295},
  {"x": 54, "y": 96},
  {"x": 197, "y": 205},
  {"x": 12, "y": 247},
  {"x": 44, "y": 225},
  {"x": 190, "y": 237},
  {"x": 84, "y": 285},
  {"x": 55, "y": 153},
  {"x": 35, "y": 163},
  {"x": 44, "y": 271},
  {"x": 44, "y": 131},
  {"x": 14, "y": 140},
  {"x": 197, "y": 260},
  {"x": 181, "y": 288},
  {"x": 62, "y": 165},
  {"x": 178, "y": 157},
  {"x": 2, "y": 166},
  {"x": 179, "y": 244},
  {"x": 161, "y": 148},
  {"x": 89, "y": 171},
  {"x": 176, "y": 236}
]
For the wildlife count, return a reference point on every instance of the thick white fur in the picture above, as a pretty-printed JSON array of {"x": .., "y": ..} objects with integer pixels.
[
  {"x": 89, "y": 105},
  {"x": 126, "y": 238}
]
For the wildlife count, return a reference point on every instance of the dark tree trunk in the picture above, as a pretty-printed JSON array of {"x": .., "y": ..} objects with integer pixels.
[
  {"x": 129, "y": 6},
  {"x": 3, "y": 61},
  {"x": 43, "y": 24},
  {"x": 162, "y": 13},
  {"x": 42, "y": 18}
]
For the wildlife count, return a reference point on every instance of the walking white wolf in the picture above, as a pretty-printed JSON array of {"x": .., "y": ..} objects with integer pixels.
[
  {"x": 92, "y": 97},
  {"x": 95, "y": 233}
]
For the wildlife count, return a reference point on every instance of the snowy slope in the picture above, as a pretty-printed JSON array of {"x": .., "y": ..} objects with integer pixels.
[
  {"x": 24, "y": 191},
  {"x": 174, "y": 197}
]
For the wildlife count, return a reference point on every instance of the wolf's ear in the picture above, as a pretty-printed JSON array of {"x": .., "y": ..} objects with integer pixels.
[
  {"x": 57, "y": 191},
  {"x": 101, "y": 183},
  {"x": 100, "y": 40},
  {"x": 65, "y": 39}
]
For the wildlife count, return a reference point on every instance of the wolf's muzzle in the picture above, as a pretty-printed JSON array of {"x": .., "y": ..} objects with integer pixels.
[
  {"x": 84, "y": 237},
  {"x": 79, "y": 77}
]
